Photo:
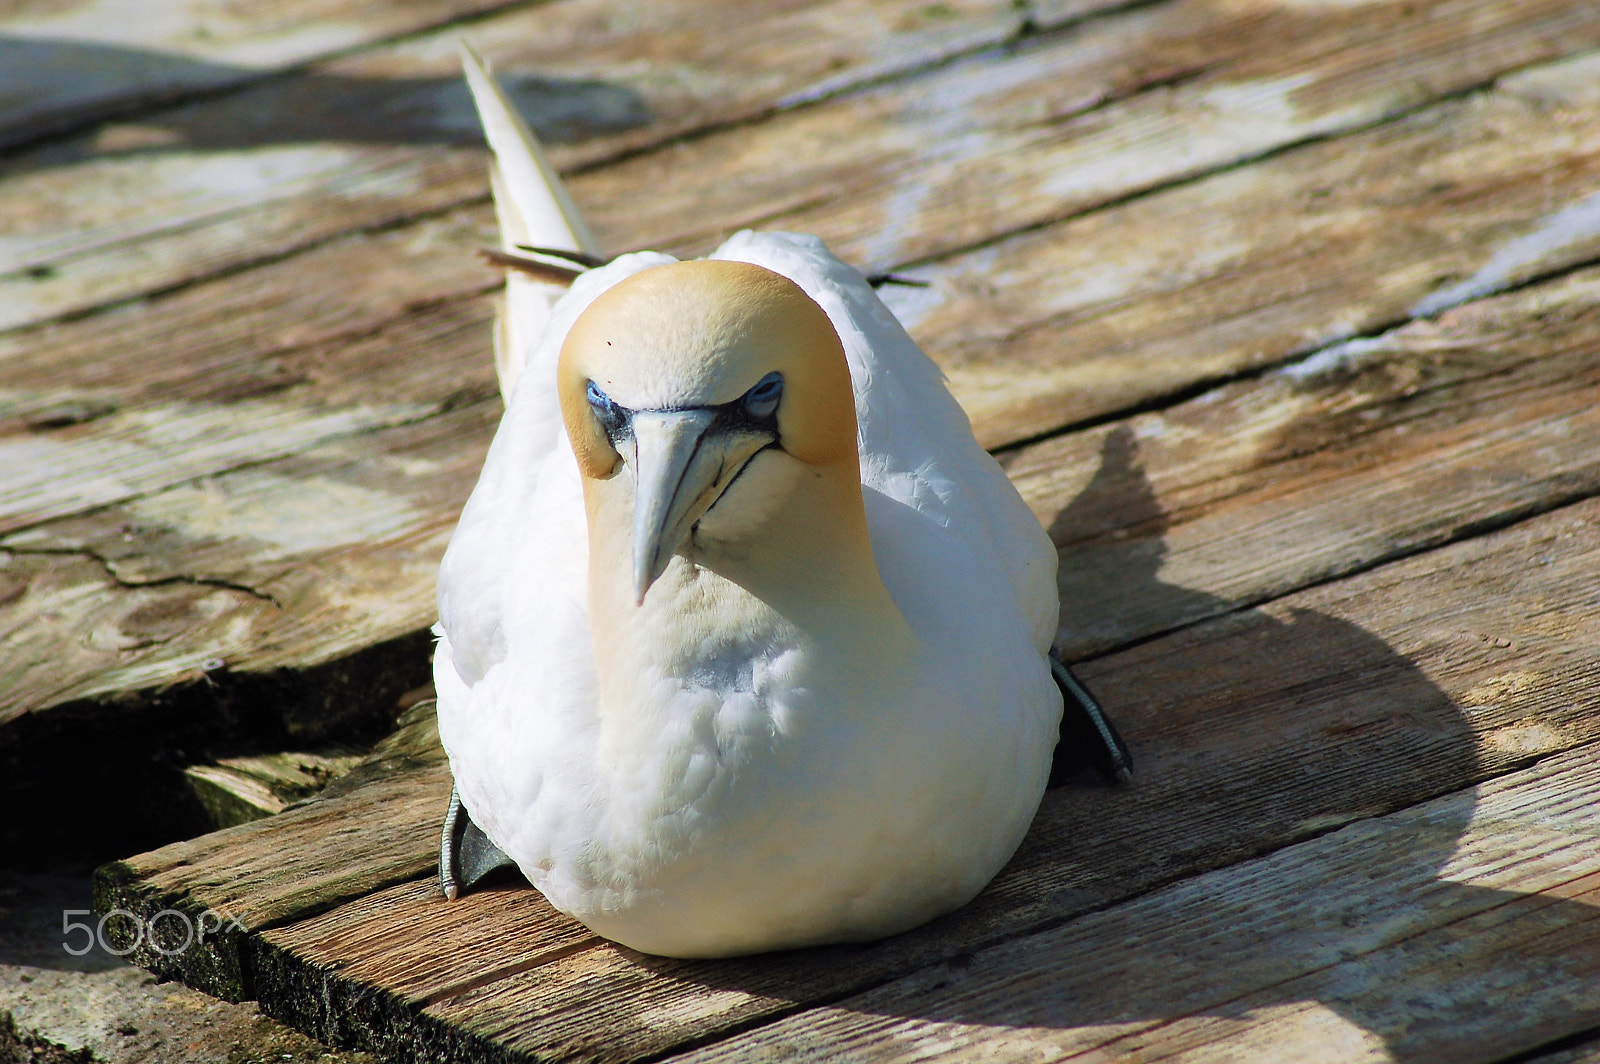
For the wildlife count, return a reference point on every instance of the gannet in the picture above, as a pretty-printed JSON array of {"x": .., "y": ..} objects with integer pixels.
[{"x": 744, "y": 642}]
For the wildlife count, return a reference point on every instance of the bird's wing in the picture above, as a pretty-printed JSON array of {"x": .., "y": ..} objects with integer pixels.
[
  {"x": 917, "y": 446},
  {"x": 533, "y": 208}
]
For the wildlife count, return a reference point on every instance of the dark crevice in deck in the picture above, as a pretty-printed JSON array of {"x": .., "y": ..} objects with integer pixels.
[
  {"x": 104, "y": 773},
  {"x": 1586, "y": 1038}
]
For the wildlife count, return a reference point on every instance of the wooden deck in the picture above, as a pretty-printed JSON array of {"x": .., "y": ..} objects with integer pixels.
[{"x": 1284, "y": 315}]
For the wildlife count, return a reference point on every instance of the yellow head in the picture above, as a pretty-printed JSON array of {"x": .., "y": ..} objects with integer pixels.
[{"x": 681, "y": 374}]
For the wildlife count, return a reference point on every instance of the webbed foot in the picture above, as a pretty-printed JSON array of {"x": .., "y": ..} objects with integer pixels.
[
  {"x": 1087, "y": 735},
  {"x": 466, "y": 856}
]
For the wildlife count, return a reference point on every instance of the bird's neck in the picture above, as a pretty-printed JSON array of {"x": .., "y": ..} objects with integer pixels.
[{"x": 804, "y": 578}]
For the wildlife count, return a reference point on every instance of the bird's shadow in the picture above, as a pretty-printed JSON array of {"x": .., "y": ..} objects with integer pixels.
[
  {"x": 89, "y": 82},
  {"x": 1298, "y": 723}
]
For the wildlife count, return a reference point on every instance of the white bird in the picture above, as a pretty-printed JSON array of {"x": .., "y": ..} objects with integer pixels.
[{"x": 743, "y": 639}]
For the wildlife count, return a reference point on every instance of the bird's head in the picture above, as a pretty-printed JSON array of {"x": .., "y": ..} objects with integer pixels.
[{"x": 680, "y": 376}]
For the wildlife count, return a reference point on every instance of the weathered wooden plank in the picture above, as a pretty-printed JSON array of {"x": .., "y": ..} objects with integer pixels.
[
  {"x": 1464, "y": 929},
  {"x": 920, "y": 167},
  {"x": 65, "y": 64},
  {"x": 284, "y": 602},
  {"x": 302, "y": 332},
  {"x": 1250, "y": 731},
  {"x": 925, "y": 166},
  {"x": 1008, "y": 324},
  {"x": 269, "y": 566},
  {"x": 1364, "y": 451},
  {"x": 375, "y": 827},
  {"x": 1251, "y": 267},
  {"x": 73, "y": 65},
  {"x": 1061, "y": 285},
  {"x": 257, "y": 873},
  {"x": 369, "y": 140},
  {"x": 1056, "y": 292}
]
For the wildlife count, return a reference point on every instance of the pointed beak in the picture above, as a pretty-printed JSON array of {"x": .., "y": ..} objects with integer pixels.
[{"x": 681, "y": 468}]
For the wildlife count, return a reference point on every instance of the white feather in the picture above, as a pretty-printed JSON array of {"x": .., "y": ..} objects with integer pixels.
[{"x": 533, "y": 208}]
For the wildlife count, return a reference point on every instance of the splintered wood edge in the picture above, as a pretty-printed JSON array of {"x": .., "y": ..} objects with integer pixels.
[
  {"x": 193, "y": 944},
  {"x": 174, "y": 878}
]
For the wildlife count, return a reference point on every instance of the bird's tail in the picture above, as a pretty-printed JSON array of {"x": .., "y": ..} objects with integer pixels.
[{"x": 533, "y": 209}]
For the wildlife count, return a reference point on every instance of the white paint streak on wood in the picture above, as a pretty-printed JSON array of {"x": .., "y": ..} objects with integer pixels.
[
  {"x": 1565, "y": 238},
  {"x": 1571, "y": 82}
]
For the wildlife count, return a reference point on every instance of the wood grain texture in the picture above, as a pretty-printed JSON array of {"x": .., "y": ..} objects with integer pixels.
[
  {"x": 919, "y": 167},
  {"x": 923, "y": 167},
  {"x": 239, "y": 586},
  {"x": 1250, "y": 732},
  {"x": 377, "y": 138},
  {"x": 1464, "y": 929},
  {"x": 70, "y": 64},
  {"x": 1264, "y": 263}
]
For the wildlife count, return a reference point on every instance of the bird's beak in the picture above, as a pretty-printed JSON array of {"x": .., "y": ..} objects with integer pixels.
[{"x": 681, "y": 468}]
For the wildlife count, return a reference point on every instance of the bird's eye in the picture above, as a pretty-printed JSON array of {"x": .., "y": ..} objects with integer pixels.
[
  {"x": 612, "y": 418},
  {"x": 762, "y": 400}
]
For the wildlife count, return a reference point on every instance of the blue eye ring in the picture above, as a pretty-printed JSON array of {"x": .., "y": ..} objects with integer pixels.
[
  {"x": 762, "y": 400},
  {"x": 612, "y": 418}
]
